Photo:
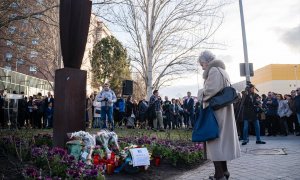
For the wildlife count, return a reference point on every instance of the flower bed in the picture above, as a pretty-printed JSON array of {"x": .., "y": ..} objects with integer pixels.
[
  {"x": 183, "y": 153},
  {"x": 56, "y": 163},
  {"x": 42, "y": 161}
]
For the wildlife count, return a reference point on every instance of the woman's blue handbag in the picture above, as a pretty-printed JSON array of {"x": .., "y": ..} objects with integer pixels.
[{"x": 206, "y": 127}]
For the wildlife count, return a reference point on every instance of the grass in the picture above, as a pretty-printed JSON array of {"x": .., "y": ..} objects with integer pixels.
[{"x": 181, "y": 134}]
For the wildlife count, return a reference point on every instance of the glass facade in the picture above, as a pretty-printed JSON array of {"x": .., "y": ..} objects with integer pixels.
[{"x": 14, "y": 81}]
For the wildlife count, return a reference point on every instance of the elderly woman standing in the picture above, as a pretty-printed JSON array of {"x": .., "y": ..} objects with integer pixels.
[{"x": 226, "y": 147}]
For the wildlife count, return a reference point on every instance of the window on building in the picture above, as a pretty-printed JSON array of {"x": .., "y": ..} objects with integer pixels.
[
  {"x": 21, "y": 48},
  {"x": 8, "y": 56},
  {"x": 14, "y": 5},
  {"x": 12, "y": 16},
  {"x": 37, "y": 28},
  {"x": 33, "y": 69},
  {"x": 25, "y": 21},
  {"x": 9, "y": 43},
  {"x": 7, "y": 68},
  {"x": 35, "y": 41},
  {"x": 23, "y": 34},
  {"x": 37, "y": 16},
  {"x": 11, "y": 29},
  {"x": 33, "y": 54},
  {"x": 39, "y": 1},
  {"x": 20, "y": 61},
  {"x": 27, "y": 10}
]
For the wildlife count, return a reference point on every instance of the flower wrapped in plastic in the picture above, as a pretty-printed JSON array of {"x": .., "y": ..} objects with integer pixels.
[
  {"x": 88, "y": 144},
  {"x": 108, "y": 140}
]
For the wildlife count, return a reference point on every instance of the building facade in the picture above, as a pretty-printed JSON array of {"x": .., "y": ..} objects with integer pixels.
[
  {"x": 29, "y": 37},
  {"x": 97, "y": 31},
  {"x": 278, "y": 78},
  {"x": 30, "y": 44}
]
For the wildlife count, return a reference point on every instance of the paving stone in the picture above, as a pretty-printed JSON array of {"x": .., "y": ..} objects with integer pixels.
[{"x": 259, "y": 167}]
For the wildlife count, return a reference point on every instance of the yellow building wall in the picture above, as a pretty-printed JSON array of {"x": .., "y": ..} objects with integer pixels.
[
  {"x": 277, "y": 86},
  {"x": 276, "y": 72}
]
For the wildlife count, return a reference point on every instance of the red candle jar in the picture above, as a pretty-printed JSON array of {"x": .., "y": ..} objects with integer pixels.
[
  {"x": 96, "y": 159},
  {"x": 112, "y": 156},
  {"x": 109, "y": 169},
  {"x": 116, "y": 163},
  {"x": 157, "y": 161}
]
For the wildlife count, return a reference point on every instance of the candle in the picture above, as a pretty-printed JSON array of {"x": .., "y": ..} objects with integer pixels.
[
  {"x": 157, "y": 161},
  {"x": 109, "y": 169},
  {"x": 112, "y": 155},
  {"x": 96, "y": 159},
  {"x": 117, "y": 162}
]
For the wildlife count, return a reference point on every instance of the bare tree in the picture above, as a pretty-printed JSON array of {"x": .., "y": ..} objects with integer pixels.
[
  {"x": 166, "y": 35},
  {"x": 12, "y": 11},
  {"x": 139, "y": 89},
  {"x": 30, "y": 32},
  {"x": 34, "y": 20}
]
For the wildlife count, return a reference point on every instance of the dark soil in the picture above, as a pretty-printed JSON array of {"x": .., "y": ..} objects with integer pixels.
[
  {"x": 164, "y": 171},
  {"x": 10, "y": 167}
]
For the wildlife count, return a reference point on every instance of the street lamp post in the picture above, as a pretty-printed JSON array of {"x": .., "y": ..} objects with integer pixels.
[
  {"x": 296, "y": 75},
  {"x": 247, "y": 69}
]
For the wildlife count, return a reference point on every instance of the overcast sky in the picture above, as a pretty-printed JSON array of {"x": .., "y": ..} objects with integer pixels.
[{"x": 273, "y": 37}]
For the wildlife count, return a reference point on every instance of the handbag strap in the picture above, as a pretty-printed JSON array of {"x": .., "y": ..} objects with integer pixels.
[{"x": 224, "y": 78}]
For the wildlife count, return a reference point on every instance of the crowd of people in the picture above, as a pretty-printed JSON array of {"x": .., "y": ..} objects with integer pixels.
[
  {"x": 272, "y": 114},
  {"x": 105, "y": 110},
  {"x": 27, "y": 112}
]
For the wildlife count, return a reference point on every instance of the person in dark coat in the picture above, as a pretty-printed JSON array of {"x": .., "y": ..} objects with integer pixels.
[
  {"x": 272, "y": 118},
  {"x": 49, "y": 116},
  {"x": 2, "y": 122},
  {"x": 174, "y": 110},
  {"x": 292, "y": 120},
  {"x": 297, "y": 105},
  {"x": 142, "y": 108},
  {"x": 21, "y": 111},
  {"x": 167, "y": 113},
  {"x": 238, "y": 112},
  {"x": 30, "y": 114},
  {"x": 130, "y": 112},
  {"x": 250, "y": 114},
  {"x": 188, "y": 107},
  {"x": 49, "y": 99},
  {"x": 38, "y": 106}
]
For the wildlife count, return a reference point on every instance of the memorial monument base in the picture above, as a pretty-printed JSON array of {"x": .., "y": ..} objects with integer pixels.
[{"x": 69, "y": 105}]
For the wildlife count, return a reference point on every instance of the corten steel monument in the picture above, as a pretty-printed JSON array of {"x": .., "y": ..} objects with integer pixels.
[{"x": 70, "y": 81}]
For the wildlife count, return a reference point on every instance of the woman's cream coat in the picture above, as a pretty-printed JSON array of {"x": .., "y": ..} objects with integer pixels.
[{"x": 227, "y": 146}]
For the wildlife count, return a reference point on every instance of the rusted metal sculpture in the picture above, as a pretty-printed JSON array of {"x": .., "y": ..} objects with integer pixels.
[{"x": 70, "y": 81}]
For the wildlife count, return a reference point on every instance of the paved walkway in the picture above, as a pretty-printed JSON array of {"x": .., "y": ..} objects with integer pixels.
[{"x": 258, "y": 167}]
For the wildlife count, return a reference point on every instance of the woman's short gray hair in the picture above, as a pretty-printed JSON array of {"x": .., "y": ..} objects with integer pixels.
[{"x": 206, "y": 56}]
